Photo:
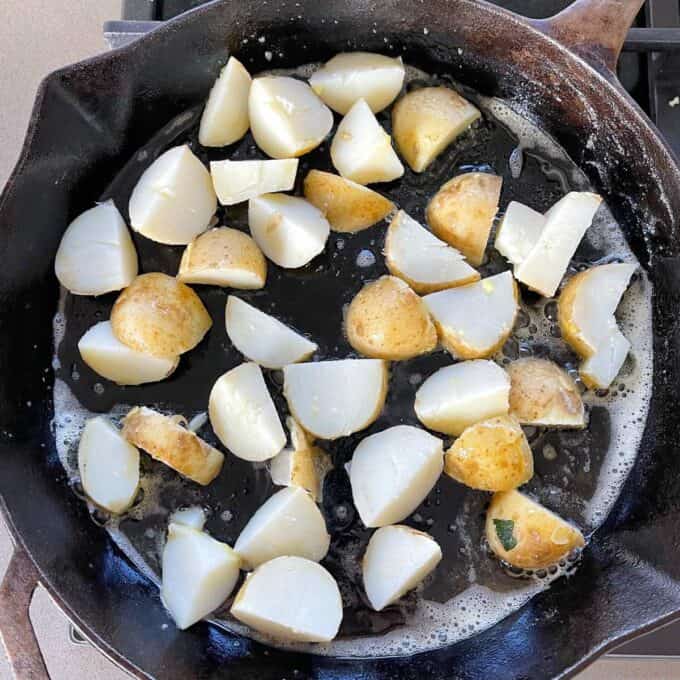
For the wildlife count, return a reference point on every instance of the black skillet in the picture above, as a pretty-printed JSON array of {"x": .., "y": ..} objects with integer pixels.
[{"x": 91, "y": 119}]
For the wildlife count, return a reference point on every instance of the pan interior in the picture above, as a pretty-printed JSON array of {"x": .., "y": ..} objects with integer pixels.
[{"x": 578, "y": 473}]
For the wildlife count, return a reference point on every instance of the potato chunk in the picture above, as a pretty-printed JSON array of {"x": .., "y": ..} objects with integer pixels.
[{"x": 238, "y": 181}]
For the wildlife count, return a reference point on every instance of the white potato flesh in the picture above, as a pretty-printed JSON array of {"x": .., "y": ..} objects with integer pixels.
[
  {"x": 473, "y": 321},
  {"x": 350, "y": 76},
  {"x": 199, "y": 574},
  {"x": 426, "y": 263},
  {"x": 107, "y": 356},
  {"x": 286, "y": 118},
  {"x": 174, "y": 200},
  {"x": 292, "y": 599},
  {"x": 289, "y": 230},
  {"x": 518, "y": 232},
  {"x": 238, "y": 181},
  {"x": 262, "y": 338},
  {"x": 362, "y": 151},
  {"x": 225, "y": 117},
  {"x": 108, "y": 466},
  {"x": 192, "y": 517},
  {"x": 243, "y": 414},
  {"x": 457, "y": 396},
  {"x": 288, "y": 523},
  {"x": 600, "y": 370},
  {"x": 565, "y": 224},
  {"x": 333, "y": 399},
  {"x": 397, "y": 559},
  {"x": 392, "y": 472},
  {"x": 96, "y": 254}
]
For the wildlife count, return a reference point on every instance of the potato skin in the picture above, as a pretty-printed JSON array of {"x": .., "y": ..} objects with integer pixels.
[
  {"x": 157, "y": 314},
  {"x": 492, "y": 455},
  {"x": 387, "y": 320},
  {"x": 462, "y": 212},
  {"x": 543, "y": 538}
]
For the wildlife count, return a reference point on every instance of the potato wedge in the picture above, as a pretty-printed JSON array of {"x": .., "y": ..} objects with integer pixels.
[
  {"x": 174, "y": 200},
  {"x": 543, "y": 394},
  {"x": 396, "y": 560},
  {"x": 518, "y": 232},
  {"x": 158, "y": 315},
  {"x": 96, "y": 254},
  {"x": 462, "y": 212},
  {"x": 527, "y": 535},
  {"x": 417, "y": 256},
  {"x": 164, "y": 439},
  {"x": 350, "y": 76},
  {"x": 286, "y": 118},
  {"x": 455, "y": 397},
  {"x": 492, "y": 455},
  {"x": 387, "y": 320},
  {"x": 223, "y": 257},
  {"x": 349, "y": 207},
  {"x": 426, "y": 121},
  {"x": 362, "y": 151},
  {"x": 239, "y": 181},
  {"x": 225, "y": 117},
  {"x": 475, "y": 320}
]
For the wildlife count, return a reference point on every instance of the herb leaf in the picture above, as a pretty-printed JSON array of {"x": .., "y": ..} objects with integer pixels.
[{"x": 504, "y": 531}]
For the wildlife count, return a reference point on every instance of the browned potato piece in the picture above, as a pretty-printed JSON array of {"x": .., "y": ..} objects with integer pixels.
[
  {"x": 462, "y": 212},
  {"x": 157, "y": 314},
  {"x": 164, "y": 439},
  {"x": 387, "y": 320},
  {"x": 542, "y": 393},
  {"x": 348, "y": 206},
  {"x": 426, "y": 121},
  {"x": 492, "y": 455},
  {"x": 525, "y": 534}
]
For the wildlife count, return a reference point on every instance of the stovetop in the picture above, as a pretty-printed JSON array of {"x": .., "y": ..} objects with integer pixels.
[{"x": 649, "y": 69}]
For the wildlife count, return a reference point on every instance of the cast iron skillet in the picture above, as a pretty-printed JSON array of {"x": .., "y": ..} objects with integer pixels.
[{"x": 88, "y": 121}]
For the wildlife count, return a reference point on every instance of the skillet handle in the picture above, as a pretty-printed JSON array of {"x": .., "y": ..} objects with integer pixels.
[
  {"x": 594, "y": 30},
  {"x": 16, "y": 630}
]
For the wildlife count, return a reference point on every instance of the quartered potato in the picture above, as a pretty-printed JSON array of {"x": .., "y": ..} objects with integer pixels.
[
  {"x": 397, "y": 559},
  {"x": 96, "y": 254},
  {"x": 288, "y": 523},
  {"x": 223, "y": 257},
  {"x": 303, "y": 465},
  {"x": 225, "y": 117},
  {"x": 158, "y": 315},
  {"x": 290, "y": 231},
  {"x": 199, "y": 574},
  {"x": 333, "y": 399},
  {"x": 475, "y": 320},
  {"x": 108, "y": 466},
  {"x": 107, "y": 356},
  {"x": 362, "y": 151},
  {"x": 543, "y": 394},
  {"x": 462, "y": 212},
  {"x": 518, "y": 232},
  {"x": 290, "y": 598},
  {"x": 174, "y": 200},
  {"x": 350, "y": 76},
  {"x": 586, "y": 309},
  {"x": 243, "y": 414},
  {"x": 238, "y": 181},
  {"x": 387, "y": 320},
  {"x": 455, "y": 397},
  {"x": 426, "y": 121},
  {"x": 418, "y": 257},
  {"x": 565, "y": 224},
  {"x": 526, "y": 535},
  {"x": 392, "y": 472},
  {"x": 492, "y": 455},
  {"x": 286, "y": 118},
  {"x": 348, "y": 206},
  {"x": 164, "y": 439},
  {"x": 262, "y": 338}
]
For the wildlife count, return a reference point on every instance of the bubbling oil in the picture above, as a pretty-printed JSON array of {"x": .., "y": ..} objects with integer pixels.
[{"x": 579, "y": 474}]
